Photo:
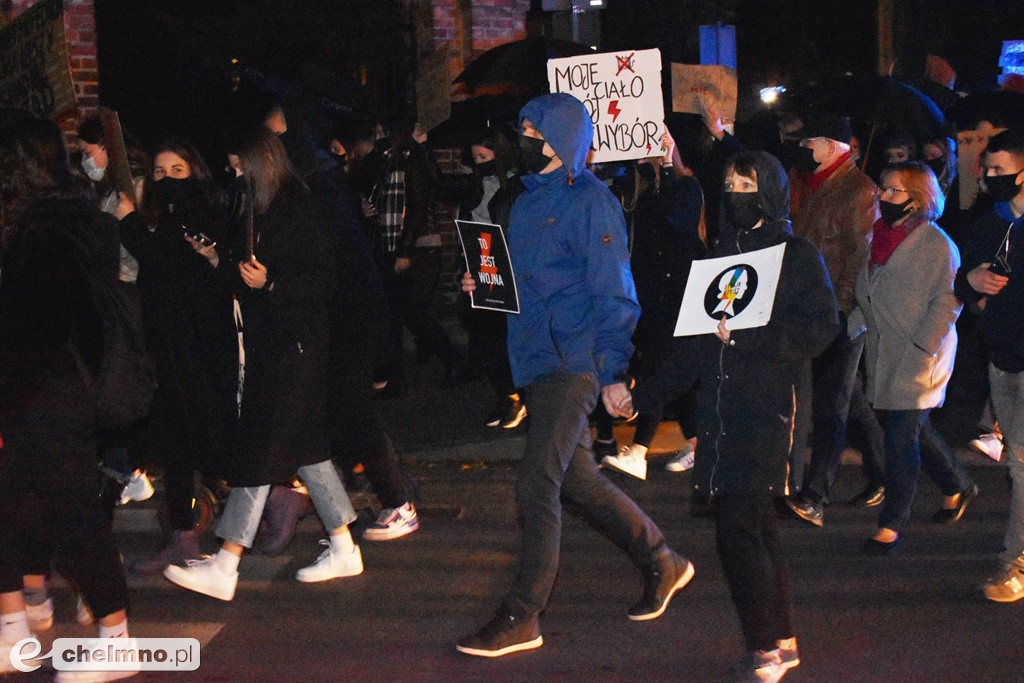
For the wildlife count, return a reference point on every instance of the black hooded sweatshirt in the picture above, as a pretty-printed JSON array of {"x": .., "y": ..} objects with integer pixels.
[{"x": 745, "y": 401}]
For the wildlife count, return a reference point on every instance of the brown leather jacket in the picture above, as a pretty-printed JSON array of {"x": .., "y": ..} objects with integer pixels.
[{"x": 838, "y": 219}]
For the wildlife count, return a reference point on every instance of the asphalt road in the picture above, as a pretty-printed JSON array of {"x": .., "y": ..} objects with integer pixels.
[{"x": 917, "y": 616}]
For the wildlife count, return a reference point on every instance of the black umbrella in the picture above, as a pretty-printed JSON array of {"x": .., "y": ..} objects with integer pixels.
[
  {"x": 873, "y": 102},
  {"x": 998, "y": 107},
  {"x": 520, "y": 65}
]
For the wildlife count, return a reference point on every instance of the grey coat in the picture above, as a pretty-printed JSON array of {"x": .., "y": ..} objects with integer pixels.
[{"x": 909, "y": 310}]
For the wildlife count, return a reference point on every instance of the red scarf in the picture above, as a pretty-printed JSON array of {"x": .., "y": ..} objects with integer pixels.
[
  {"x": 885, "y": 238},
  {"x": 817, "y": 179}
]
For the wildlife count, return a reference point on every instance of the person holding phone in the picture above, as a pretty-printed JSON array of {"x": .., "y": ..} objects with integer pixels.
[
  {"x": 186, "y": 314},
  {"x": 992, "y": 276}
]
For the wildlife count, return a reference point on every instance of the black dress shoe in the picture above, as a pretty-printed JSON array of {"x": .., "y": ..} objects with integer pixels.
[
  {"x": 948, "y": 516},
  {"x": 875, "y": 547},
  {"x": 872, "y": 496},
  {"x": 807, "y": 511}
]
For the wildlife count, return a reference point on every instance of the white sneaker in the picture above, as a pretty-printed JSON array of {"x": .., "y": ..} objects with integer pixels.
[
  {"x": 204, "y": 576},
  {"x": 83, "y": 615},
  {"x": 989, "y": 444},
  {"x": 393, "y": 523},
  {"x": 40, "y": 617},
  {"x": 681, "y": 461},
  {"x": 628, "y": 461},
  {"x": 332, "y": 565},
  {"x": 6, "y": 667},
  {"x": 138, "y": 488},
  {"x": 100, "y": 676}
]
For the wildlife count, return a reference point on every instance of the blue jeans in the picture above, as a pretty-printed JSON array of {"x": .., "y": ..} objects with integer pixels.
[
  {"x": 558, "y": 462},
  {"x": 913, "y": 444},
  {"x": 1008, "y": 402},
  {"x": 242, "y": 513},
  {"x": 834, "y": 373}
]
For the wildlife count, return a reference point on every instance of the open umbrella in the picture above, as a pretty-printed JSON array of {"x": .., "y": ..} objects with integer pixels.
[
  {"x": 873, "y": 102},
  {"x": 519, "y": 67}
]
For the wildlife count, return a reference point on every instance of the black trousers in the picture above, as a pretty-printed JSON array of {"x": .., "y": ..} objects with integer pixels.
[
  {"x": 49, "y": 479},
  {"x": 747, "y": 534}
]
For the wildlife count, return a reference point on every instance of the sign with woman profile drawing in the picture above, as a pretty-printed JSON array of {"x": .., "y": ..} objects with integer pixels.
[{"x": 740, "y": 287}]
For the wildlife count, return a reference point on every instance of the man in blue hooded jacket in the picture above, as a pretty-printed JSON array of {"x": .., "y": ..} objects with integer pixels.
[{"x": 569, "y": 345}]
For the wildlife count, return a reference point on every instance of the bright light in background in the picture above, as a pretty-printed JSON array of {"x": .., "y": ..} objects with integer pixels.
[{"x": 771, "y": 95}]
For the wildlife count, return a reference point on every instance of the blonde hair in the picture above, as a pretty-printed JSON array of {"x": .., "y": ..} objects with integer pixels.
[{"x": 921, "y": 184}]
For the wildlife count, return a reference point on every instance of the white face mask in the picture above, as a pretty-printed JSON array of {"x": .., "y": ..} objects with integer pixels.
[{"x": 94, "y": 172}]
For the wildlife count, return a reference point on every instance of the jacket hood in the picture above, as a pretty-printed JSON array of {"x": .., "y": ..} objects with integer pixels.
[
  {"x": 565, "y": 124},
  {"x": 772, "y": 187}
]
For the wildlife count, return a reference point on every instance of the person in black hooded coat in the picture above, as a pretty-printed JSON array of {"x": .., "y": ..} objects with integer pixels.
[{"x": 745, "y": 404}]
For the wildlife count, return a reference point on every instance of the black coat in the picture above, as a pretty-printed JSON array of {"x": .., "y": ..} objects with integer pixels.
[
  {"x": 745, "y": 401},
  {"x": 186, "y": 314},
  {"x": 283, "y": 420}
]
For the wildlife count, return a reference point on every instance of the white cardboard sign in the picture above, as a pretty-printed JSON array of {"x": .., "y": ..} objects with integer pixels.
[
  {"x": 742, "y": 287},
  {"x": 622, "y": 93}
]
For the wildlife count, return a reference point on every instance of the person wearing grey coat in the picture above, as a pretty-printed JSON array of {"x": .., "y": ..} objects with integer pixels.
[{"x": 907, "y": 310}]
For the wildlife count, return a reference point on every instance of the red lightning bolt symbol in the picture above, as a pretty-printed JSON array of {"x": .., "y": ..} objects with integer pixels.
[{"x": 613, "y": 109}]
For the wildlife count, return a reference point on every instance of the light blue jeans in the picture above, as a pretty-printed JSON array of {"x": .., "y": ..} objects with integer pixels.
[
  {"x": 242, "y": 513},
  {"x": 1008, "y": 402}
]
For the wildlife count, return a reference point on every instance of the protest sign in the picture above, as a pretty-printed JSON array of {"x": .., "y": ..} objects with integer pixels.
[
  {"x": 716, "y": 84},
  {"x": 487, "y": 259},
  {"x": 34, "y": 70},
  {"x": 740, "y": 287},
  {"x": 117, "y": 155},
  {"x": 622, "y": 93}
]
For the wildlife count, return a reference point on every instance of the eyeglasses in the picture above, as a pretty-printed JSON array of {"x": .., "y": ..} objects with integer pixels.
[{"x": 891, "y": 191}]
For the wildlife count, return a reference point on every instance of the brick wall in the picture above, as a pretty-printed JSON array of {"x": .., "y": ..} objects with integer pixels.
[{"x": 80, "y": 31}]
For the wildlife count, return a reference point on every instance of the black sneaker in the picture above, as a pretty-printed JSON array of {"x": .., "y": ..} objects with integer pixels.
[
  {"x": 504, "y": 634},
  {"x": 498, "y": 412},
  {"x": 669, "y": 573},
  {"x": 807, "y": 511},
  {"x": 603, "y": 448}
]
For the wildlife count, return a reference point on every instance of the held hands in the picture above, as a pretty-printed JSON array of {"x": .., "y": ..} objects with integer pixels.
[
  {"x": 617, "y": 400},
  {"x": 254, "y": 273},
  {"x": 986, "y": 282}
]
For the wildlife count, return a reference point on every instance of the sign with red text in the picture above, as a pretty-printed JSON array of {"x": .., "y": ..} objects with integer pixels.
[
  {"x": 487, "y": 260},
  {"x": 622, "y": 94},
  {"x": 695, "y": 87}
]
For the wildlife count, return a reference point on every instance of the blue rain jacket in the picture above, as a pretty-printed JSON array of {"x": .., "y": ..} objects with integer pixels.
[{"x": 567, "y": 238}]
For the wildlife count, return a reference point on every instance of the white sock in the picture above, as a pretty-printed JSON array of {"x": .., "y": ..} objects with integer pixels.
[
  {"x": 342, "y": 543},
  {"x": 115, "y": 631},
  {"x": 14, "y": 627},
  {"x": 226, "y": 562}
]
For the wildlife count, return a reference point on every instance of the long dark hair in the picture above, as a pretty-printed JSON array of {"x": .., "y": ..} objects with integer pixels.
[
  {"x": 504, "y": 154},
  {"x": 265, "y": 166},
  {"x": 33, "y": 166},
  {"x": 199, "y": 174}
]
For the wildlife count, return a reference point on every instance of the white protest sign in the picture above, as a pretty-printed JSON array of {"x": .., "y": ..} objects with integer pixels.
[
  {"x": 716, "y": 84},
  {"x": 742, "y": 287},
  {"x": 622, "y": 93}
]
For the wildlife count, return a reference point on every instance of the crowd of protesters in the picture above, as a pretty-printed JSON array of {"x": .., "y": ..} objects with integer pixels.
[{"x": 274, "y": 296}]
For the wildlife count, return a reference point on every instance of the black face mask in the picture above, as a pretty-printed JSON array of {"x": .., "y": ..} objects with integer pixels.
[
  {"x": 938, "y": 165},
  {"x": 742, "y": 209},
  {"x": 892, "y": 213},
  {"x": 531, "y": 155},
  {"x": 805, "y": 160},
  {"x": 487, "y": 168},
  {"x": 172, "y": 190},
  {"x": 1002, "y": 188},
  {"x": 788, "y": 154}
]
